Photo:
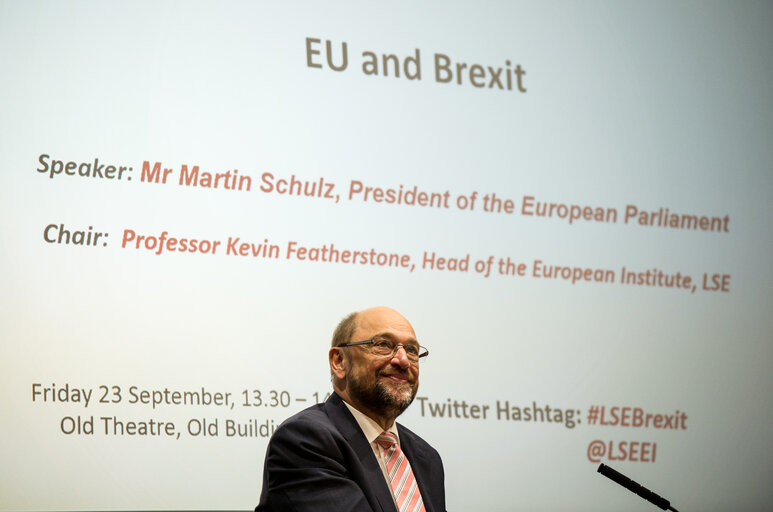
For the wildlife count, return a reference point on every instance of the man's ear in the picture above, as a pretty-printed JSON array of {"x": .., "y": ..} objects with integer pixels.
[{"x": 338, "y": 363}]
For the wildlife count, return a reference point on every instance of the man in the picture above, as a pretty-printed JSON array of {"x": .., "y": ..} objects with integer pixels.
[{"x": 341, "y": 455}]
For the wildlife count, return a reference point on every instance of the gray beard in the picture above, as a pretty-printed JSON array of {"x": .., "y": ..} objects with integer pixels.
[{"x": 380, "y": 400}]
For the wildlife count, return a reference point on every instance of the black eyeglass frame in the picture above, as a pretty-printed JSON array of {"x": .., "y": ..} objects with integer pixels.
[{"x": 423, "y": 352}]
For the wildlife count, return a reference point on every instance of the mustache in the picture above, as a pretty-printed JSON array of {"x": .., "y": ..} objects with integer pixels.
[{"x": 408, "y": 376}]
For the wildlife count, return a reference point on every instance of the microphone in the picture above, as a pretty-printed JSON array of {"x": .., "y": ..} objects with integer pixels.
[{"x": 635, "y": 487}]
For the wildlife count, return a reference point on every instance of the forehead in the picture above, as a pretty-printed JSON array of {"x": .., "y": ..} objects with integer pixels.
[{"x": 383, "y": 321}]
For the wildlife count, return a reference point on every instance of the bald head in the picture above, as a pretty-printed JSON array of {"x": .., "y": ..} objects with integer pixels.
[
  {"x": 371, "y": 320},
  {"x": 380, "y": 320}
]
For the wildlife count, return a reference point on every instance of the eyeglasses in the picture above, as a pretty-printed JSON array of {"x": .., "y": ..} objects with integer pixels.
[{"x": 383, "y": 347}]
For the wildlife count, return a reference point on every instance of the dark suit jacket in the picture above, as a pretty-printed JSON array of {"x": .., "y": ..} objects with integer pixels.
[{"x": 319, "y": 460}]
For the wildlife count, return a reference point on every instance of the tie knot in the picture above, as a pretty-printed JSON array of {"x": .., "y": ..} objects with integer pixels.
[{"x": 386, "y": 439}]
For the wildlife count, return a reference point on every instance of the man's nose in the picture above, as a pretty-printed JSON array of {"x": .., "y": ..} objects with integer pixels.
[{"x": 402, "y": 357}]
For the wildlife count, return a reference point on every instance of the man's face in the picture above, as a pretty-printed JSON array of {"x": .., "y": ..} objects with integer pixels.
[{"x": 385, "y": 385}]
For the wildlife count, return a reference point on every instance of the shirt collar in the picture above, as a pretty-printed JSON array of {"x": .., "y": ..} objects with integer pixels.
[{"x": 369, "y": 427}]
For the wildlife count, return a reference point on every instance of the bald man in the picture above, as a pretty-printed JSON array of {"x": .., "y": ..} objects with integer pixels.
[{"x": 348, "y": 454}]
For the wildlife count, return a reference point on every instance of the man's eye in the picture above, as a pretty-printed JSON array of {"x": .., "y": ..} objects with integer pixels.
[
  {"x": 411, "y": 349},
  {"x": 381, "y": 344}
]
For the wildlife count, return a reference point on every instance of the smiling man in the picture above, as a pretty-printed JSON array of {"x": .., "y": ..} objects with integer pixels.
[{"x": 348, "y": 454}]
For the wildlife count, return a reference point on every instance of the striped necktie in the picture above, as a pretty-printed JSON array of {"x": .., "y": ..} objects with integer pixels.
[{"x": 401, "y": 479}]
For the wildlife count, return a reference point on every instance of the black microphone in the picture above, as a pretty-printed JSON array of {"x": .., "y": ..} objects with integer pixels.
[{"x": 635, "y": 487}]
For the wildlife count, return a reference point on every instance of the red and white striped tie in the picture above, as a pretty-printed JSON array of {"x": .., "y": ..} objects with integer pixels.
[{"x": 401, "y": 479}]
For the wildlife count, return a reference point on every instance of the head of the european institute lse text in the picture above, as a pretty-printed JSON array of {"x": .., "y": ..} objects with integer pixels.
[{"x": 374, "y": 362}]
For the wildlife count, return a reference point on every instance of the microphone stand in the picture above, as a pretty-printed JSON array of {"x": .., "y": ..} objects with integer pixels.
[{"x": 635, "y": 487}]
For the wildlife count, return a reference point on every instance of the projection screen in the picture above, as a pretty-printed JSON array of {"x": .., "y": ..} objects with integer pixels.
[{"x": 570, "y": 201}]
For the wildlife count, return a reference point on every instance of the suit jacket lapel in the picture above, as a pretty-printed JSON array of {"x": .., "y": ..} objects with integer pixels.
[
  {"x": 419, "y": 464},
  {"x": 347, "y": 425}
]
